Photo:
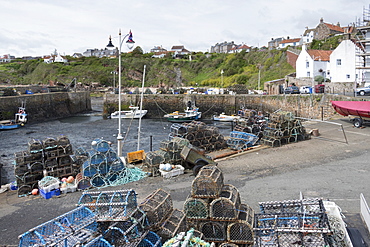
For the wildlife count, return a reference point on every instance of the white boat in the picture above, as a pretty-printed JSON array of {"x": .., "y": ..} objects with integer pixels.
[
  {"x": 191, "y": 113},
  {"x": 19, "y": 121},
  {"x": 134, "y": 112},
  {"x": 225, "y": 118}
]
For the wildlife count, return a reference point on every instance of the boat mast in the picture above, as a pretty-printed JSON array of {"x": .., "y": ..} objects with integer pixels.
[{"x": 140, "y": 111}]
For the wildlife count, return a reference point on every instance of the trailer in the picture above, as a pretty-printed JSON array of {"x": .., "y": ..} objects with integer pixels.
[{"x": 358, "y": 111}]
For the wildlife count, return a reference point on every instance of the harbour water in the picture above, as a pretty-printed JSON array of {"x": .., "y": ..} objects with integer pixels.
[{"x": 82, "y": 130}]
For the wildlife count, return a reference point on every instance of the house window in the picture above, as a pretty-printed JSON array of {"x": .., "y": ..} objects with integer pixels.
[
  {"x": 339, "y": 61},
  {"x": 348, "y": 76},
  {"x": 307, "y": 64},
  {"x": 308, "y": 74}
]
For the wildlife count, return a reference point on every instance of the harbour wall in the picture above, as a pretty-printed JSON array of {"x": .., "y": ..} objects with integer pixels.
[
  {"x": 46, "y": 106},
  {"x": 313, "y": 106}
]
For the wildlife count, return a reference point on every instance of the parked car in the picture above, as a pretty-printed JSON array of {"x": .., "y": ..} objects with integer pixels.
[
  {"x": 363, "y": 90},
  {"x": 291, "y": 90},
  {"x": 305, "y": 89},
  {"x": 320, "y": 88}
]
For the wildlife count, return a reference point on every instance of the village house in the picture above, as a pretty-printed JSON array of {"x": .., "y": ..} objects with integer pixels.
[
  {"x": 159, "y": 52},
  {"x": 6, "y": 58},
  {"x": 224, "y": 47},
  {"x": 157, "y": 49},
  {"x": 77, "y": 55},
  {"x": 311, "y": 63},
  {"x": 179, "y": 51},
  {"x": 289, "y": 42},
  {"x": 324, "y": 30},
  {"x": 274, "y": 43},
  {"x": 239, "y": 48},
  {"x": 101, "y": 52},
  {"x": 343, "y": 62},
  {"x": 339, "y": 65},
  {"x": 55, "y": 59},
  {"x": 307, "y": 36}
]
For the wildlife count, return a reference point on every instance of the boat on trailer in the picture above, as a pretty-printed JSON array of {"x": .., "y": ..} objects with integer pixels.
[
  {"x": 358, "y": 111},
  {"x": 19, "y": 120}
]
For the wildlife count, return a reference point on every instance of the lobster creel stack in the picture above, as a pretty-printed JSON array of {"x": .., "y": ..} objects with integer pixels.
[
  {"x": 50, "y": 157},
  {"x": 200, "y": 135},
  {"x": 169, "y": 152},
  {"x": 283, "y": 128},
  {"x": 103, "y": 167},
  {"x": 215, "y": 210},
  {"x": 305, "y": 221},
  {"x": 163, "y": 219}
]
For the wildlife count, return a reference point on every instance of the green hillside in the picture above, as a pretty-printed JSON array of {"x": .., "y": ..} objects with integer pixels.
[{"x": 200, "y": 69}]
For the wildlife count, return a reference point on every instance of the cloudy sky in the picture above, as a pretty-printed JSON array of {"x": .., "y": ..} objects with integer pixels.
[{"x": 38, "y": 27}]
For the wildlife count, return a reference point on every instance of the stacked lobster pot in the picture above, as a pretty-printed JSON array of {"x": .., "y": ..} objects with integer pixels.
[
  {"x": 163, "y": 219},
  {"x": 58, "y": 160},
  {"x": 169, "y": 152},
  {"x": 251, "y": 121},
  {"x": 50, "y": 157},
  {"x": 200, "y": 135},
  {"x": 283, "y": 128},
  {"x": 102, "y": 218},
  {"x": 103, "y": 167},
  {"x": 215, "y": 209},
  {"x": 281, "y": 223},
  {"x": 241, "y": 141}
]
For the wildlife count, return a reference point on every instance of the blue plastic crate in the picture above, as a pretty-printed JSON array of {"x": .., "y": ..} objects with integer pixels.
[{"x": 48, "y": 195}]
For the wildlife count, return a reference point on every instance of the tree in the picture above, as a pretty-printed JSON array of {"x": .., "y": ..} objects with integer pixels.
[{"x": 138, "y": 51}]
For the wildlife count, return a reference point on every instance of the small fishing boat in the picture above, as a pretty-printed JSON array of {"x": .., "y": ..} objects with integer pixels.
[
  {"x": 360, "y": 110},
  {"x": 225, "y": 118},
  {"x": 19, "y": 120},
  {"x": 134, "y": 112},
  {"x": 191, "y": 113}
]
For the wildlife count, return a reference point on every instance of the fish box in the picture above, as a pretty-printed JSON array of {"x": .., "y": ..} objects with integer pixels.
[
  {"x": 48, "y": 195},
  {"x": 135, "y": 156},
  {"x": 178, "y": 170}
]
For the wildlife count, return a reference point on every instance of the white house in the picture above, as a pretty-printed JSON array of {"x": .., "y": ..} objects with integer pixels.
[
  {"x": 55, "y": 59},
  {"x": 239, "y": 48},
  {"x": 311, "y": 63},
  {"x": 289, "y": 42},
  {"x": 179, "y": 49},
  {"x": 343, "y": 62},
  {"x": 307, "y": 37},
  {"x": 6, "y": 58}
]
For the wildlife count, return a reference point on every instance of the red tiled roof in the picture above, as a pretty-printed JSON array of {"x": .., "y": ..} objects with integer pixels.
[
  {"x": 177, "y": 47},
  {"x": 334, "y": 27},
  {"x": 319, "y": 55},
  {"x": 290, "y": 41},
  {"x": 240, "y": 47},
  {"x": 244, "y": 47}
]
